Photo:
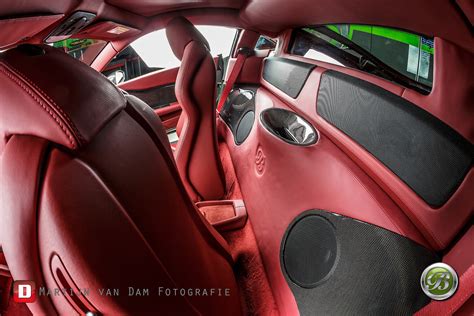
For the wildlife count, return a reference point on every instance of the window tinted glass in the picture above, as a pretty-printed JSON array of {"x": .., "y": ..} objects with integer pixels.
[
  {"x": 153, "y": 52},
  {"x": 85, "y": 50},
  {"x": 265, "y": 42},
  {"x": 130, "y": 63},
  {"x": 410, "y": 55}
]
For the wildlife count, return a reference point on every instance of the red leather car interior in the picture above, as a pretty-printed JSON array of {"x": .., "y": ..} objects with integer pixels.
[
  {"x": 23, "y": 27},
  {"x": 342, "y": 177},
  {"x": 449, "y": 56},
  {"x": 250, "y": 72},
  {"x": 431, "y": 222},
  {"x": 154, "y": 79},
  {"x": 459, "y": 257},
  {"x": 280, "y": 15},
  {"x": 196, "y": 152},
  {"x": 224, "y": 215},
  {"x": 170, "y": 114},
  {"x": 92, "y": 198}
]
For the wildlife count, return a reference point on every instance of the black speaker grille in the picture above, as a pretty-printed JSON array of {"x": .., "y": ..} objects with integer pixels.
[
  {"x": 428, "y": 155},
  {"x": 374, "y": 272},
  {"x": 244, "y": 128},
  {"x": 310, "y": 251},
  {"x": 236, "y": 111},
  {"x": 288, "y": 75}
]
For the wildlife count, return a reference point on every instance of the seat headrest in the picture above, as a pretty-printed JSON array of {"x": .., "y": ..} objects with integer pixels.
[
  {"x": 46, "y": 93},
  {"x": 181, "y": 32}
]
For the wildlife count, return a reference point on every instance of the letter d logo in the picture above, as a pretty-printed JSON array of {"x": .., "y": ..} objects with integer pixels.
[{"x": 24, "y": 291}]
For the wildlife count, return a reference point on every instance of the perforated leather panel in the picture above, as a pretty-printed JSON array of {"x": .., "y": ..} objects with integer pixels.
[{"x": 428, "y": 155}]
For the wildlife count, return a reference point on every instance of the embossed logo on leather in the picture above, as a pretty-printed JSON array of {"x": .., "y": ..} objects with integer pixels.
[{"x": 260, "y": 161}]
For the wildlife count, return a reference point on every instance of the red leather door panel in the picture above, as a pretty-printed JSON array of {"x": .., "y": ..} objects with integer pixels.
[
  {"x": 169, "y": 115},
  {"x": 151, "y": 84},
  {"x": 294, "y": 179},
  {"x": 432, "y": 223}
]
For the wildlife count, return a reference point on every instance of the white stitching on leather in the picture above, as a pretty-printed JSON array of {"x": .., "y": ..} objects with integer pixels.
[{"x": 66, "y": 131}]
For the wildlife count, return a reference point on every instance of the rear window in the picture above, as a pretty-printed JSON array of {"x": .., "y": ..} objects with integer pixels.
[{"x": 396, "y": 55}]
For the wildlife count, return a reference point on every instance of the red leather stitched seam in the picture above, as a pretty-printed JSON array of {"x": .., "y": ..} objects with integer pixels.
[
  {"x": 382, "y": 208},
  {"x": 55, "y": 106},
  {"x": 37, "y": 100},
  {"x": 462, "y": 300}
]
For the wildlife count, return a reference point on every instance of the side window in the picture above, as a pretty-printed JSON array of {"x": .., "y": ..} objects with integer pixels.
[
  {"x": 128, "y": 64},
  {"x": 265, "y": 42},
  {"x": 408, "y": 53},
  {"x": 153, "y": 52},
  {"x": 83, "y": 49},
  {"x": 372, "y": 49}
]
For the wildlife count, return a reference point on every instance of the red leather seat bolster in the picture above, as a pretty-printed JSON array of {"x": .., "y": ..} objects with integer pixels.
[
  {"x": 143, "y": 113},
  {"x": 180, "y": 32},
  {"x": 18, "y": 212},
  {"x": 53, "y": 109},
  {"x": 106, "y": 208},
  {"x": 151, "y": 122},
  {"x": 196, "y": 153},
  {"x": 129, "y": 197}
]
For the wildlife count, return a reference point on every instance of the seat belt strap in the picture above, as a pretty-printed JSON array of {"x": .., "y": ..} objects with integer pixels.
[{"x": 242, "y": 54}]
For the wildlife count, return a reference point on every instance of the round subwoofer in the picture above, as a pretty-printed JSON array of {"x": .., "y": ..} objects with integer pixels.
[{"x": 310, "y": 250}]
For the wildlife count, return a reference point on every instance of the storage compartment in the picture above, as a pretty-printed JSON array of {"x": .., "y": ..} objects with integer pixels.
[
  {"x": 288, "y": 126},
  {"x": 224, "y": 215}
]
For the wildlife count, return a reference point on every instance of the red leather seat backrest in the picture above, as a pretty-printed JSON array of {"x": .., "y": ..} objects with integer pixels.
[
  {"x": 91, "y": 198},
  {"x": 196, "y": 153}
]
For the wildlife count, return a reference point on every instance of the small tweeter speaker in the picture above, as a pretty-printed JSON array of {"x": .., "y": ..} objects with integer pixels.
[{"x": 310, "y": 251}]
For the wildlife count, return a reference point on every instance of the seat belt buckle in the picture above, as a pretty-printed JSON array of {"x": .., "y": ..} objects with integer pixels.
[{"x": 245, "y": 51}]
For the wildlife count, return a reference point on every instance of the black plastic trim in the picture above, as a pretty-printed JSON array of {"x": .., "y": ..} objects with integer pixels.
[{"x": 156, "y": 97}]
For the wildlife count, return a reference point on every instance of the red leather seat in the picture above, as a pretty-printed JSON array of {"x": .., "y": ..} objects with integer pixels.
[
  {"x": 196, "y": 153},
  {"x": 91, "y": 198}
]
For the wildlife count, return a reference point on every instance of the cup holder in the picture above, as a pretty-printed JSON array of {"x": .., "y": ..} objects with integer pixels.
[{"x": 289, "y": 127}]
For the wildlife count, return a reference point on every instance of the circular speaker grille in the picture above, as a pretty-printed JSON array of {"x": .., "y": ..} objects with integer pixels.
[
  {"x": 310, "y": 251},
  {"x": 245, "y": 126}
]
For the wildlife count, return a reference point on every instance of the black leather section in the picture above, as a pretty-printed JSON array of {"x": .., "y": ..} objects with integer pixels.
[
  {"x": 288, "y": 75},
  {"x": 310, "y": 251},
  {"x": 245, "y": 127},
  {"x": 236, "y": 111},
  {"x": 348, "y": 267},
  {"x": 428, "y": 155},
  {"x": 156, "y": 97}
]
